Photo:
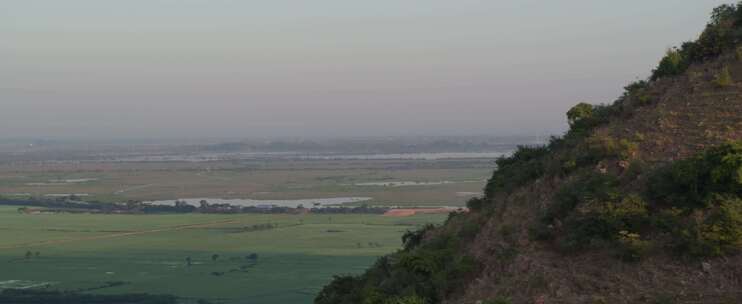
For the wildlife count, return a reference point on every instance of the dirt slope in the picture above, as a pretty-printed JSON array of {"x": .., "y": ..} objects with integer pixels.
[{"x": 685, "y": 115}]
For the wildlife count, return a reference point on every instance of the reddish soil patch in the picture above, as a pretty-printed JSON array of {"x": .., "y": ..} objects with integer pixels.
[{"x": 411, "y": 212}]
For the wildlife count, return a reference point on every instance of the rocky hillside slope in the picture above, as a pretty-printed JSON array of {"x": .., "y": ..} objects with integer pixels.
[{"x": 640, "y": 202}]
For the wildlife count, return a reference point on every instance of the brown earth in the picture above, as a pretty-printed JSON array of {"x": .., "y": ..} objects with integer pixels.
[{"x": 686, "y": 114}]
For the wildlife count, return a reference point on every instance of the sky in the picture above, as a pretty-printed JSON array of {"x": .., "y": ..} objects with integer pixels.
[{"x": 242, "y": 68}]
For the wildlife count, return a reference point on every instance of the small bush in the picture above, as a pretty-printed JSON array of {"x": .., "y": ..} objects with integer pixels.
[
  {"x": 635, "y": 169},
  {"x": 594, "y": 186},
  {"x": 632, "y": 247},
  {"x": 600, "y": 147},
  {"x": 627, "y": 149},
  {"x": 724, "y": 78},
  {"x": 713, "y": 232},
  {"x": 412, "y": 239}
]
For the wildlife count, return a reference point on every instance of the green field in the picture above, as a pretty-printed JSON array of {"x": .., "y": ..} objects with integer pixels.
[{"x": 147, "y": 253}]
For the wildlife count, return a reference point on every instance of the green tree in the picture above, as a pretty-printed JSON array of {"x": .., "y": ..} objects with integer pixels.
[{"x": 579, "y": 113}]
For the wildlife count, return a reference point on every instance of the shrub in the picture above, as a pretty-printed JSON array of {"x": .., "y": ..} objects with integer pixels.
[
  {"x": 412, "y": 239},
  {"x": 714, "y": 232},
  {"x": 722, "y": 230},
  {"x": 638, "y": 91},
  {"x": 341, "y": 290},
  {"x": 469, "y": 229},
  {"x": 593, "y": 213},
  {"x": 672, "y": 64},
  {"x": 722, "y": 33},
  {"x": 526, "y": 164},
  {"x": 423, "y": 262},
  {"x": 579, "y": 113},
  {"x": 594, "y": 186},
  {"x": 424, "y": 273},
  {"x": 635, "y": 169},
  {"x": 688, "y": 184},
  {"x": 724, "y": 78},
  {"x": 635, "y": 88},
  {"x": 583, "y": 117},
  {"x": 475, "y": 204},
  {"x": 627, "y": 149},
  {"x": 599, "y": 147},
  {"x": 632, "y": 247}
]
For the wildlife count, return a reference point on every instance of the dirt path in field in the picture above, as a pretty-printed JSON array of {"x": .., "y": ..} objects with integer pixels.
[{"x": 118, "y": 235}]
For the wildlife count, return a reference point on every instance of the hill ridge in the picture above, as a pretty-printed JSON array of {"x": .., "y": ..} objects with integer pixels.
[{"x": 639, "y": 202}]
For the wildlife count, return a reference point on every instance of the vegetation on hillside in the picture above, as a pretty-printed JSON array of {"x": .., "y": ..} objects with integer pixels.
[
  {"x": 722, "y": 33},
  {"x": 606, "y": 198},
  {"x": 424, "y": 271}
]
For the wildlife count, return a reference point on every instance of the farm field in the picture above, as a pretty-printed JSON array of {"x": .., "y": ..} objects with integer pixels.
[
  {"x": 386, "y": 182},
  {"x": 293, "y": 257}
]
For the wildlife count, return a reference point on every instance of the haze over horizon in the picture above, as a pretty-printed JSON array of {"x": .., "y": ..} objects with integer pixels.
[{"x": 228, "y": 68}]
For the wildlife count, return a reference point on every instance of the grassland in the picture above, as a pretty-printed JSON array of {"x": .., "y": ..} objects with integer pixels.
[
  {"x": 256, "y": 180},
  {"x": 147, "y": 253}
]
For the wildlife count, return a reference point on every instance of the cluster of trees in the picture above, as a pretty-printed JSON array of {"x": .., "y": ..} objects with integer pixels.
[
  {"x": 30, "y": 255},
  {"x": 692, "y": 207},
  {"x": 722, "y": 33},
  {"x": 68, "y": 205},
  {"x": 422, "y": 272},
  {"x": 51, "y": 203},
  {"x": 259, "y": 227},
  {"x": 251, "y": 258},
  {"x": 695, "y": 201},
  {"x": 36, "y": 296},
  {"x": 364, "y": 209}
]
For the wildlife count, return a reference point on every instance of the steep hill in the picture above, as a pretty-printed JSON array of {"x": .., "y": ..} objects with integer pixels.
[{"x": 640, "y": 202}]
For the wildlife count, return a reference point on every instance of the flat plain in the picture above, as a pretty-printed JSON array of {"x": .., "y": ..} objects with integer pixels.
[
  {"x": 234, "y": 258},
  {"x": 115, "y": 254},
  {"x": 423, "y": 182}
]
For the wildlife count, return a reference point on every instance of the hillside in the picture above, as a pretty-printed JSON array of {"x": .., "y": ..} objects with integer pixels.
[{"x": 639, "y": 202}]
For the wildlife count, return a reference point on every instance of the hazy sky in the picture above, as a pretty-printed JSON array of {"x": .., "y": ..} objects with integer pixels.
[{"x": 239, "y": 68}]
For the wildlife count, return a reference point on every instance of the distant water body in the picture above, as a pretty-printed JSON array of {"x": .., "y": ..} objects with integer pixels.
[
  {"x": 307, "y": 203},
  {"x": 203, "y": 157},
  {"x": 420, "y": 156}
]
